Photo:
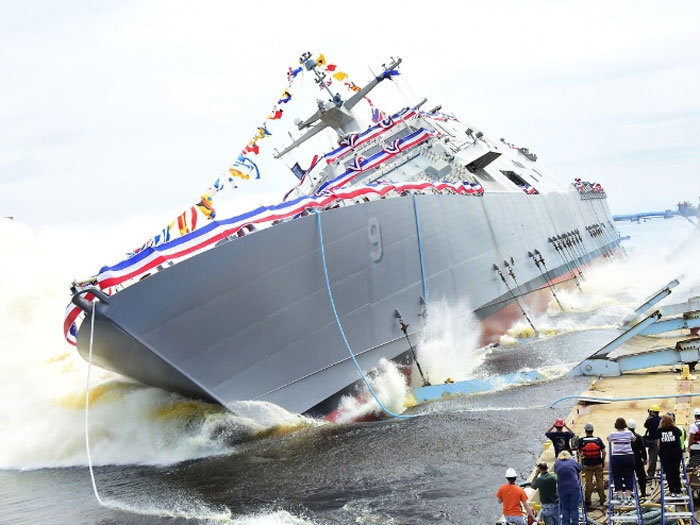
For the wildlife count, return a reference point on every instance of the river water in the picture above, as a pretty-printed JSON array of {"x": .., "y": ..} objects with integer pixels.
[{"x": 159, "y": 458}]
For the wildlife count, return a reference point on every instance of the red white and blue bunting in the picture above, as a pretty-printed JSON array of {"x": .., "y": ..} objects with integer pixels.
[
  {"x": 197, "y": 229},
  {"x": 151, "y": 258},
  {"x": 587, "y": 187},
  {"x": 244, "y": 168}
]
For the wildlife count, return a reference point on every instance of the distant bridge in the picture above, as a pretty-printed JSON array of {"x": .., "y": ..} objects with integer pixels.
[
  {"x": 636, "y": 217},
  {"x": 687, "y": 211}
]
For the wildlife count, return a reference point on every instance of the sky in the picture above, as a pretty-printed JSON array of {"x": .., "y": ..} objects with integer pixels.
[{"x": 125, "y": 112}]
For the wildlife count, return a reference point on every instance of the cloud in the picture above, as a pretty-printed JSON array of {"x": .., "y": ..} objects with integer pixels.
[{"x": 112, "y": 110}]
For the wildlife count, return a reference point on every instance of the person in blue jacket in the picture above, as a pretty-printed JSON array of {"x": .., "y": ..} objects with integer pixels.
[{"x": 568, "y": 472}]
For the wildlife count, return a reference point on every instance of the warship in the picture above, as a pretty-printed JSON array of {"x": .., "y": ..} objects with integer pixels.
[{"x": 298, "y": 303}]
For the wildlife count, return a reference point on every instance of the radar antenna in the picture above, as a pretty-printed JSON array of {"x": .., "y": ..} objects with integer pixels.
[{"x": 335, "y": 113}]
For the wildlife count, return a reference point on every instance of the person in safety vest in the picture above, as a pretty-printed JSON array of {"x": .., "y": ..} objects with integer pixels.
[
  {"x": 592, "y": 454},
  {"x": 694, "y": 435},
  {"x": 512, "y": 497}
]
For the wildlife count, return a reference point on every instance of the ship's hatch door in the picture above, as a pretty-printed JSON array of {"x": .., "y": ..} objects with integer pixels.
[{"x": 483, "y": 161}]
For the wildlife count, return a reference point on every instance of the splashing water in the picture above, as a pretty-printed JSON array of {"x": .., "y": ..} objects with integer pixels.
[
  {"x": 170, "y": 504},
  {"x": 389, "y": 385},
  {"x": 43, "y": 385},
  {"x": 43, "y": 381},
  {"x": 449, "y": 346}
]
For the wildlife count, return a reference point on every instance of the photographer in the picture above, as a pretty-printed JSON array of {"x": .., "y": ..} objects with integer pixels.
[{"x": 546, "y": 483}]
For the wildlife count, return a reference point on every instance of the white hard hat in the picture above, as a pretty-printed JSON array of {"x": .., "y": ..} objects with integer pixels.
[
  {"x": 631, "y": 424},
  {"x": 510, "y": 473},
  {"x": 696, "y": 412}
]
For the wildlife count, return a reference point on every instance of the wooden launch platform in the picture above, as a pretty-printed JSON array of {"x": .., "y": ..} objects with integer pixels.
[{"x": 629, "y": 396}]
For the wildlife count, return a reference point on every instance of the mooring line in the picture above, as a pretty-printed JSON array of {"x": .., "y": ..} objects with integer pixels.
[{"x": 87, "y": 404}]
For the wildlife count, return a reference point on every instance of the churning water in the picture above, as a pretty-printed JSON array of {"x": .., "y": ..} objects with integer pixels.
[{"x": 160, "y": 458}]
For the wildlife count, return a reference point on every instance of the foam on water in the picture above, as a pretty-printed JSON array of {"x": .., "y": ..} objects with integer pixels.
[
  {"x": 43, "y": 386},
  {"x": 43, "y": 379},
  {"x": 281, "y": 517},
  {"x": 173, "y": 505},
  {"x": 390, "y": 388},
  {"x": 449, "y": 347},
  {"x": 156, "y": 501}
]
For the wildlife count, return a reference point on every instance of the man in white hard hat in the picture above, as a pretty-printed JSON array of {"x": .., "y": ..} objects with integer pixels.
[
  {"x": 694, "y": 435},
  {"x": 513, "y": 499}
]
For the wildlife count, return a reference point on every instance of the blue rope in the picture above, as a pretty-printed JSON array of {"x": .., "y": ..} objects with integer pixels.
[
  {"x": 613, "y": 399},
  {"x": 340, "y": 327},
  {"x": 420, "y": 250}
]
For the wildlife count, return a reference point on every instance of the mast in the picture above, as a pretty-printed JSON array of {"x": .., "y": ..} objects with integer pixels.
[{"x": 335, "y": 113}]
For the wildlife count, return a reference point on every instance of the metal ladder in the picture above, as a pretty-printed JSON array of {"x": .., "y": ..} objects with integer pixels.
[
  {"x": 618, "y": 513},
  {"x": 583, "y": 514},
  {"x": 685, "y": 500}
]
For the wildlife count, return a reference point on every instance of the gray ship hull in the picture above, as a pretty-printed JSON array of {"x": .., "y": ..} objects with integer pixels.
[{"x": 253, "y": 319}]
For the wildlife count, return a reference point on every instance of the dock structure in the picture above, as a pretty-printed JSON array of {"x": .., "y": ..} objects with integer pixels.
[
  {"x": 652, "y": 362},
  {"x": 638, "y": 369},
  {"x": 629, "y": 396},
  {"x": 683, "y": 318}
]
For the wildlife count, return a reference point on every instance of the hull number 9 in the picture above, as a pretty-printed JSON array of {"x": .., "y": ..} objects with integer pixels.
[{"x": 374, "y": 234}]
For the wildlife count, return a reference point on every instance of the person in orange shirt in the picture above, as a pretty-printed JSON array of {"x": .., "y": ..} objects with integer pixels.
[{"x": 514, "y": 499}]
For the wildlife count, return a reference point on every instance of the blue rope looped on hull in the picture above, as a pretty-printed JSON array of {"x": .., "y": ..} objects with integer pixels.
[
  {"x": 340, "y": 326},
  {"x": 420, "y": 250}
]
